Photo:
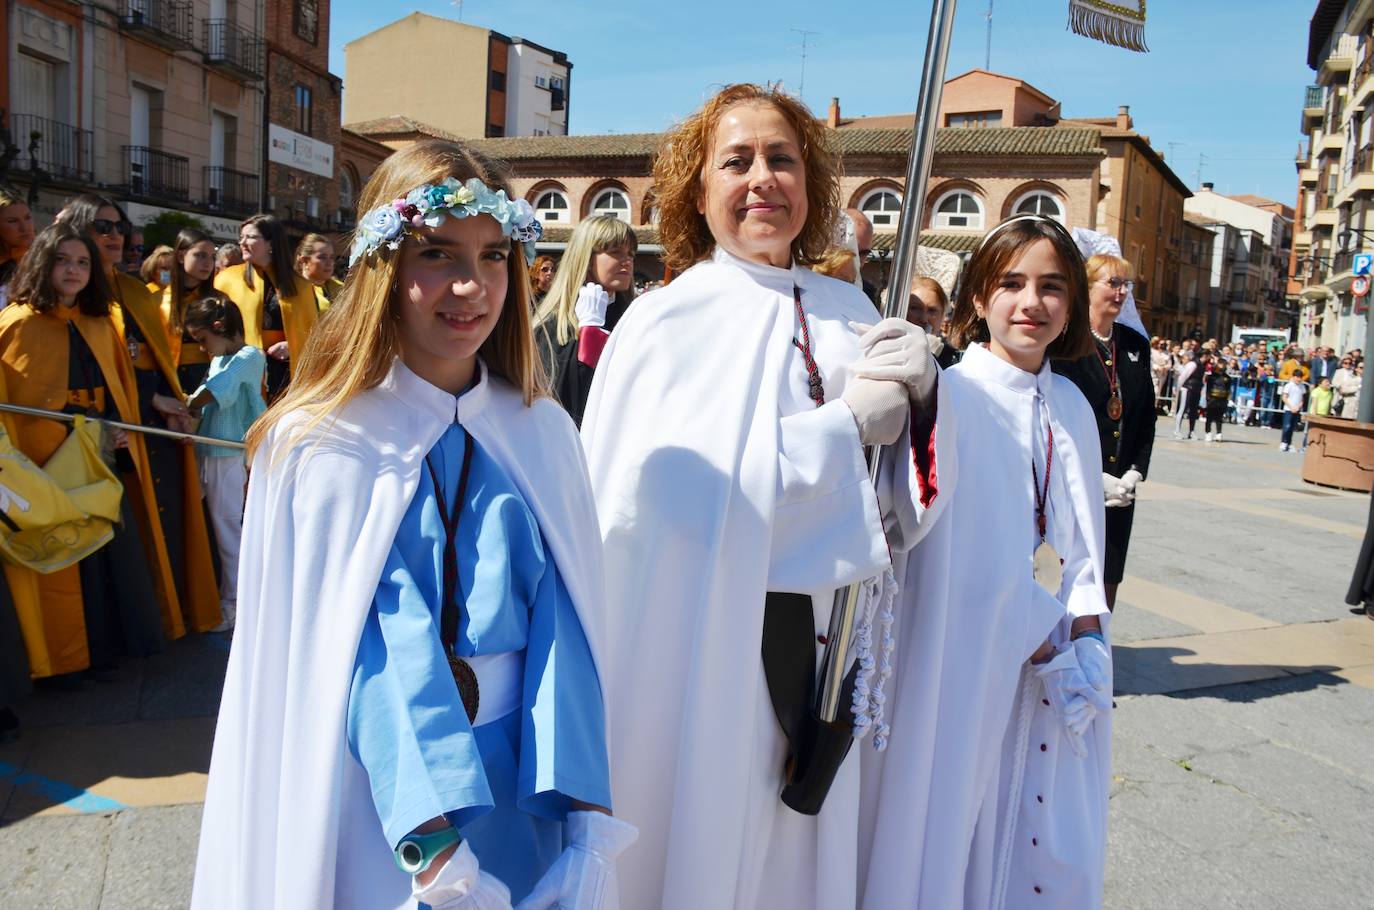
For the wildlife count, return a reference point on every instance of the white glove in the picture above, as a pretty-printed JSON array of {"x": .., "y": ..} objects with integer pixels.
[
  {"x": 1130, "y": 479},
  {"x": 1064, "y": 689},
  {"x": 592, "y": 302},
  {"x": 583, "y": 878},
  {"x": 1095, "y": 660},
  {"x": 461, "y": 885},
  {"x": 880, "y": 408},
  {"x": 897, "y": 350},
  {"x": 936, "y": 343},
  {"x": 1115, "y": 491}
]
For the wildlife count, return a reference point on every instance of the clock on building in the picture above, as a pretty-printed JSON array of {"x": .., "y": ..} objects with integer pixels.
[{"x": 307, "y": 20}]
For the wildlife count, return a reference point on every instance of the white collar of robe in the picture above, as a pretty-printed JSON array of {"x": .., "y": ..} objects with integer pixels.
[
  {"x": 432, "y": 400},
  {"x": 775, "y": 279},
  {"x": 980, "y": 362}
]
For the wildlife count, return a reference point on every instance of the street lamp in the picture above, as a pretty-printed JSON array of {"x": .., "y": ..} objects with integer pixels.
[{"x": 1344, "y": 237}]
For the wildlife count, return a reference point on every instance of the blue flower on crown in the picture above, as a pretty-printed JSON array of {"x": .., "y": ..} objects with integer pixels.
[{"x": 429, "y": 205}]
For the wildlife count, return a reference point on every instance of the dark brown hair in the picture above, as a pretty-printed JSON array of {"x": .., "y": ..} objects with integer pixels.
[
  {"x": 204, "y": 313},
  {"x": 990, "y": 262},
  {"x": 283, "y": 262},
  {"x": 187, "y": 238},
  {"x": 682, "y": 157},
  {"x": 33, "y": 280}
]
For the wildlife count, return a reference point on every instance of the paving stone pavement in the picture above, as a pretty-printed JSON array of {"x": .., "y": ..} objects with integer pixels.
[{"x": 1243, "y": 734}]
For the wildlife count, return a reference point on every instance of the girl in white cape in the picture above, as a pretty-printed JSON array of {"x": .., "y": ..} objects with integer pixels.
[
  {"x": 993, "y": 792},
  {"x": 412, "y": 713}
]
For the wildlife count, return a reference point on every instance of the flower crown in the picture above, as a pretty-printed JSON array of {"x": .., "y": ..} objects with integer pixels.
[{"x": 427, "y": 206}]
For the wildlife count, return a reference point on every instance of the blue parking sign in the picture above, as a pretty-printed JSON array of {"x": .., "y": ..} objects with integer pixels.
[{"x": 1362, "y": 263}]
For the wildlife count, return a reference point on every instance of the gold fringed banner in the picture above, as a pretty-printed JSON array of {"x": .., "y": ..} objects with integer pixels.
[{"x": 1121, "y": 24}]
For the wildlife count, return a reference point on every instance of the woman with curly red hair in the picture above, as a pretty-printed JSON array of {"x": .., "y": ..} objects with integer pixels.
[{"x": 724, "y": 434}]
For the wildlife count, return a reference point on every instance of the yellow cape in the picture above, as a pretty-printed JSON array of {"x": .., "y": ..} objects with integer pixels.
[
  {"x": 202, "y": 610},
  {"x": 298, "y": 312},
  {"x": 49, "y": 607}
]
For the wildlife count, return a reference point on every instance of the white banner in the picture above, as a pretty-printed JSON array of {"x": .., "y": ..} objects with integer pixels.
[
  {"x": 301, "y": 152},
  {"x": 215, "y": 226}
]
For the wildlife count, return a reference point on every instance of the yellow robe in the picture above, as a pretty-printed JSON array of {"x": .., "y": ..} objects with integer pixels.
[
  {"x": 180, "y": 351},
  {"x": 298, "y": 312},
  {"x": 133, "y": 302},
  {"x": 327, "y": 293},
  {"x": 34, "y": 372}
]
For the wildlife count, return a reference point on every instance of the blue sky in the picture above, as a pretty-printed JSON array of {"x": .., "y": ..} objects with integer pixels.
[{"x": 1223, "y": 79}]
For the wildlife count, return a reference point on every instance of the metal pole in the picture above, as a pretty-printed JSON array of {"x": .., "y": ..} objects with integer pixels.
[
  {"x": 834, "y": 664},
  {"x": 1366, "y": 414},
  {"x": 128, "y": 427}
]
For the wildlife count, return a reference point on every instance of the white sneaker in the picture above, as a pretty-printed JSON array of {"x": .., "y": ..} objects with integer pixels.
[
  {"x": 1283, "y": 447},
  {"x": 1208, "y": 439},
  {"x": 228, "y": 613},
  {"x": 1218, "y": 439}
]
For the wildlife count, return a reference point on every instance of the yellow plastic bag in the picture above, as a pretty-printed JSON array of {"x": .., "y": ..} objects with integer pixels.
[{"x": 58, "y": 515}]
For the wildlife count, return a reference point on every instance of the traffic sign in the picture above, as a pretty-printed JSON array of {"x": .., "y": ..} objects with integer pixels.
[
  {"x": 1360, "y": 286},
  {"x": 1362, "y": 264}
]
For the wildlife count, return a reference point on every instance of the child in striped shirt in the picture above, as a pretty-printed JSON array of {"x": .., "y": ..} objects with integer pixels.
[{"x": 228, "y": 402}]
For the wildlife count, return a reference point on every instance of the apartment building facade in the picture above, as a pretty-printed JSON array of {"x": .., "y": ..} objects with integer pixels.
[
  {"x": 493, "y": 84},
  {"x": 158, "y": 103}
]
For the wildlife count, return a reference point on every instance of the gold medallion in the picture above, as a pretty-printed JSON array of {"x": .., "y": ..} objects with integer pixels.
[
  {"x": 1114, "y": 408},
  {"x": 1048, "y": 568},
  {"x": 466, "y": 679}
]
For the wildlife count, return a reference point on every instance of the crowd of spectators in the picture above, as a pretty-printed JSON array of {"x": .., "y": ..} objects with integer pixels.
[{"x": 1261, "y": 386}]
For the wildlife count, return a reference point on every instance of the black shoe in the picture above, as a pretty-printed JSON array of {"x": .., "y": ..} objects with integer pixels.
[{"x": 103, "y": 673}]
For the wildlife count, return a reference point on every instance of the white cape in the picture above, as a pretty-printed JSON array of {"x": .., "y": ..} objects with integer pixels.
[
  {"x": 970, "y": 617},
  {"x": 708, "y": 499},
  {"x": 289, "y": 819}
]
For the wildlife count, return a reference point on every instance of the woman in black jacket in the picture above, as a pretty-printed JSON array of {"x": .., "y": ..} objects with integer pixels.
[{"x": 1115, "y": 378}]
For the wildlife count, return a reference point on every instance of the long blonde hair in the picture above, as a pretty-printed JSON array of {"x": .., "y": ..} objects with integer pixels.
[
  {"x": 353, "y": 345},
  {"x": 593, "y": 235}
]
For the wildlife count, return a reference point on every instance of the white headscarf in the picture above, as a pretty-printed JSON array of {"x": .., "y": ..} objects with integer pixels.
[{"x": 1090, "y": 243}]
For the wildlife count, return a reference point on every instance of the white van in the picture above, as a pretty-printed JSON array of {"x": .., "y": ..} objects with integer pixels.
[{"x": 1269, "y": 339}]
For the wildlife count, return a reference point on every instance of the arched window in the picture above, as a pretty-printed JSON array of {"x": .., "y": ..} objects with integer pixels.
[
  {"x": 551, "y": 207},
  {"x": 958, "y": 209},
  {"x": 883, "y": 207},
  {"x": 1039, "y": 202},
  {"x": 345, "y": 190},
  {"x": 612, "y": 202}
]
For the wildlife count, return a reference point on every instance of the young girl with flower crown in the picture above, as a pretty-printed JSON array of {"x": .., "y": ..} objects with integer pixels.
[
  {"x": 993, "y": 790},
  {"x": 413, "y": 711}
]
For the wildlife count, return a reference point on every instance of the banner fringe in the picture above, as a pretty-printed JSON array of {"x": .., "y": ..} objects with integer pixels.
[{"x": 1106, "y": 27}]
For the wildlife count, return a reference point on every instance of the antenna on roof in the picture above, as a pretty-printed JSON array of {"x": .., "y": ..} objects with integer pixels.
[
  {"x": 806, "y": 35},
  {"x": 987, "y": 60}
]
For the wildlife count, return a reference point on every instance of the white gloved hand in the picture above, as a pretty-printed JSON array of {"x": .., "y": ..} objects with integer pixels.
[
  {"x": 1115, "y": 492},
  {"x": 1130, "y": 479},
  {"x": 1095, "y": 660},
  {"x": 880, "y": 409},
  {"x": 461, "y": 885},
  {"x": 936, "y": 344},
  {"x": 897, "y": 350},
  {"x": 583, "y": 878},
  {"x": 592, "y": 301},
  {"x": 1064, "y": 689}
]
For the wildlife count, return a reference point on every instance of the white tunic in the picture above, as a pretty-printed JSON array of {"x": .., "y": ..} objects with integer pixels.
[
  {"x": 718, "y": 480},
  {"x": 965, "y": 808}
]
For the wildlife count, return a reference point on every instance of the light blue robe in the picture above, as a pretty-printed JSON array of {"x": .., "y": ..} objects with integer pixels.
[{"x": 505, "y": 785}]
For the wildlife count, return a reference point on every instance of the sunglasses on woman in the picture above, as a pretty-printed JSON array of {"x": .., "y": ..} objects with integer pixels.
[{"x": 105, "y": 227}]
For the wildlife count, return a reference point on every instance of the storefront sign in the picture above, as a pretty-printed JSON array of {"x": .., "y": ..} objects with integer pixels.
[
  {"x": 301, "y": 152},
  {"x": 216, "y": 226}
]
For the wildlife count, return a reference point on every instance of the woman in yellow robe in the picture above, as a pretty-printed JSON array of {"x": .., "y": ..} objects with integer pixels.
[
  {"x": 278, "y": 306},
  {"x": 180, "y": 515},
  {"x": 193, "y": 277},
  {"x": 60, "y": 350},
  {"x": 315, "y": 258}
]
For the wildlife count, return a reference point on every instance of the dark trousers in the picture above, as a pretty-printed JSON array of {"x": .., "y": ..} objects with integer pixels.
[{"x": 1291, "y": 421}]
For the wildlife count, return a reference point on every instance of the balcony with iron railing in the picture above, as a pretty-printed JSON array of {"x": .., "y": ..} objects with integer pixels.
[
  {"x": 1314, "y": 98},
  {"x": 61, "y": 151},
  {"x": 155, "y": 174},
  {"x": 233, "y": 50},
  {"x": 230, "y": 191},
  {"x": 166, "y": 23}
]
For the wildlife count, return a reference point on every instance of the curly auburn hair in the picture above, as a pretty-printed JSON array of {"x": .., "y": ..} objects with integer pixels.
[{"x": 681, "y": 160}]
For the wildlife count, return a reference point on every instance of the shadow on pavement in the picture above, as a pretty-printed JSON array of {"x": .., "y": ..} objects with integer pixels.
[
  {"x": 1167, "y": 670},
  {"x": 141, "y": 740}
]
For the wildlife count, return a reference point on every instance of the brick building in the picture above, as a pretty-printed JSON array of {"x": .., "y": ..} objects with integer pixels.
[
  {"x": 304, "y": 103},
  {"x": 158, "y": 103}
]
